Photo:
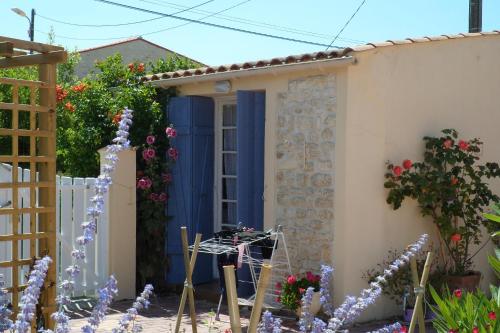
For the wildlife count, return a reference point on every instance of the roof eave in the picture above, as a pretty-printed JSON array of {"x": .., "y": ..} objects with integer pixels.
[{"x": 236, "y": 74}]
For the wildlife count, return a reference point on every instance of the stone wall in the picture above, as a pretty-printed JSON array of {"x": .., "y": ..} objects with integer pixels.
[{"x": 305, "y": 169}]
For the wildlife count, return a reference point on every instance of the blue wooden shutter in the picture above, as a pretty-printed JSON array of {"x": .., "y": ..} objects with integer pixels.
[
  {"x": 250, "y": 169},
  {"x": 191, "y": 193},
  {"x": 250, "y": 122}
]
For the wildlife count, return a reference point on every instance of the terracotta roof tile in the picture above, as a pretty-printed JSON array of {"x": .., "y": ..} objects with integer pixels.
[{"x": 309, "y": 57}]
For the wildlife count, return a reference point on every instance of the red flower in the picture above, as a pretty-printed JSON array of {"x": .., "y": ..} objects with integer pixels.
[
  {"x": 116, "y": 118},
  {"x": 140, "y": 68},
  {"x": 150, "y": 139},
  {"x": 464, "y": 145},
  {"x": 131, "y": 66},
  {"x": 278, "y": 285},
  {"x": 455, "y": 238},
  {"x": 447, "y": 144},
  {"x": 492, "y": 315},
  {"x": 404, "y": 330},
  {"x": 457, "y": 293},
  {"x": 291, "y": 279},
  {"x": 301, "y": 290},
  {"x": 454, "y": 180},
  {"x": 475, "y": 330},
  {"x": 278, "y": 299},
  {"x": 452, "y": 331},
  {"x": 407, "y": 164},
  {"x": 397, "y": 170},
  {"x": 79, "y": 87},
  {"x": 277, "y": 292},
  {"x": 70, "y": 107},
  {"x": 310, "y": 277},
  {"x": 60, "y": 93}
]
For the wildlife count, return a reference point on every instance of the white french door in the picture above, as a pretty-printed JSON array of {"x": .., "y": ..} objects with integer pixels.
[{"x": 225, "y": 201}]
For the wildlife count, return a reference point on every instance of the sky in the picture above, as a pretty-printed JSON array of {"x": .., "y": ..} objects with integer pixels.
[{"x": 317, "y": 21}]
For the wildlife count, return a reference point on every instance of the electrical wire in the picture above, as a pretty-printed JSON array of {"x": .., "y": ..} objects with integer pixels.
[
  {"x": 254, "y": 23},
  {"x": 213, "y": 24},
  {"x": 121, "y": 24},
  {"x": 346, "y": 24},
  {"x": 151, "y": 32}
]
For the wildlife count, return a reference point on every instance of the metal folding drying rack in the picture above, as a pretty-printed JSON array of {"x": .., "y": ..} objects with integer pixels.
[{"x": 280, "y": 261}]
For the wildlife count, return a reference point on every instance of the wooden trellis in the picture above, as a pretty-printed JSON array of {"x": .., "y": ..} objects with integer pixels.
[{"x": 39, "y": 153}]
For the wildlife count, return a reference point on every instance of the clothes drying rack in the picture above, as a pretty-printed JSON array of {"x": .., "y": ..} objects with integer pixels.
[{"x": 279, "y": 260}]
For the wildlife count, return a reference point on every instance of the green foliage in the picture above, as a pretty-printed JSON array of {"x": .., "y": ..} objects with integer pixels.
[
  {"x": 495, "y": 260},
  {"x": 291, "y": 291},
  {"x": 449, "y": 186},
  {"x": 172, "y": 63},
  {"x": 466, "y": 311}
]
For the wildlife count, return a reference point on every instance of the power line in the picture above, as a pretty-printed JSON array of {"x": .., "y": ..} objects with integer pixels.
[
  {"x": 152, "y": 32},
  {"x": 253, "y": 22},
  {"x": 122, "y": 24},
  {"x": 213, "y": 24},
  {"x": 346, "y": 24}
]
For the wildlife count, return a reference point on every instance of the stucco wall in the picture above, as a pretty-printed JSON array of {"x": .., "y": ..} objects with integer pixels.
[
  {"x": 136, "y": 50},
  {"x": 385, "y": 104},
  {"x": 394, "y": 96}
]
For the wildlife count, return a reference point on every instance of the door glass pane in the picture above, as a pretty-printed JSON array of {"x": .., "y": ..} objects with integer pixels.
[
  {"x": 229, "y": 213},
  {"x": 229, "y": 164},
  {"x": 229, "y": 188},
  {"x": 229, "y": 139},
  {"x": 229, "y": 115}
]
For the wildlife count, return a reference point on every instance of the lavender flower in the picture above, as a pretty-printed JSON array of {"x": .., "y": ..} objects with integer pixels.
[
  {"x": 325, "y": 298},
  {"x": 396, "y": 327},
  {"x": 269, "y": 324},
  {"x": 106, "y": 295},
  {"x": 141, "y": 302},
  {"x": 5, "y": 313},
  {"x": 318, "y": 326},
  {"x": 306, "y": 318},
  {"x": 29, "y": 300},
  {"x": 89, "y": 227},
  {"x": 352, "y": 308}
]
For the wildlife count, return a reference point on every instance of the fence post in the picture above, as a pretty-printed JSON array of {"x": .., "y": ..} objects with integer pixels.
[{"x": 121, "y": 233}]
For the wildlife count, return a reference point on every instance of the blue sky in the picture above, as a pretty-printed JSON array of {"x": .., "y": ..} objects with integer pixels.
[{"x": 317, "y": 21}]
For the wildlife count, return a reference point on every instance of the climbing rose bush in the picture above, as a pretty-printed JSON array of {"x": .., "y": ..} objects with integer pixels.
[{"x": 450, "y": 186}]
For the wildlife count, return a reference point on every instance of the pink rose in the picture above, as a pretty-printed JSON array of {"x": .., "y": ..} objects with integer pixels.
[
  {"x": 171, "y": 132},
  {"x": 141, "y": 183},
  {"x": 463, "y": 145},
  {"x": 173, "y": 153},
  {"x": 149, "y": 183},
  {"x": 153, "y": 196},
  {"x": 291, "y": 279},
  {"x": 166, "y": 177},
  {"x": 163, "y": 196},
  {"x": 397, "y": 170},
  {"x": 150, "y": 139},
  {"x": 447, "y": 144},
  {"x": 145, "y": 155},
  {"x": 150, "y": 152},
  {"x": 407, "y": 164}
]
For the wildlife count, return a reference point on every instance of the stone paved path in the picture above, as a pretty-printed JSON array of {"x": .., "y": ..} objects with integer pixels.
[{"x": 161, "y": 316}]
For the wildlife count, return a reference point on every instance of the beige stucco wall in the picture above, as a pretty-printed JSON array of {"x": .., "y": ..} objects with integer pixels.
[
  {"x": 136, "y": 50},
  {"x": 385, "y": 104},
  {"x": 395, "y": 96}
]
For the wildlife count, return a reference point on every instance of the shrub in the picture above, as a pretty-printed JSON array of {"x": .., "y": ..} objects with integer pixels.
[
  {"x": 450, "y": 187},
  {"x": 291, "y": 290}
]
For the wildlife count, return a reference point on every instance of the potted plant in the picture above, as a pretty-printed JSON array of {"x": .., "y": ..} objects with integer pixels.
[
  {"x": 450, "y": 187},
  {"x": 291, "y": 290}
]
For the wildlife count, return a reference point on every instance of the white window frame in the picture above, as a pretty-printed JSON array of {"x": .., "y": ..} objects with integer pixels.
[{"x": 219, "y": 102}]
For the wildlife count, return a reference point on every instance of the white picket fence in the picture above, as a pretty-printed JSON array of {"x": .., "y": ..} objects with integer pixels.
[{"x": 73, "y": 198}]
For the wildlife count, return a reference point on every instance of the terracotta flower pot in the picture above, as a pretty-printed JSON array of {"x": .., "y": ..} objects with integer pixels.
[
  {"x": 315, "y": 305},
  {"x": 469, "y": 282}
]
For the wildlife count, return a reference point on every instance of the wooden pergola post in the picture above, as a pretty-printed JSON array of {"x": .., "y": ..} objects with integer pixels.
[{"x": 41, "y": 159}]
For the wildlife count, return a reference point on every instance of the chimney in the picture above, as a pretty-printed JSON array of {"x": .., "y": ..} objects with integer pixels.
[{"x": 475, "y": 15}]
